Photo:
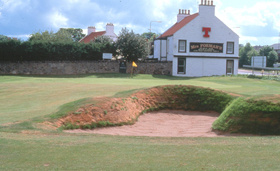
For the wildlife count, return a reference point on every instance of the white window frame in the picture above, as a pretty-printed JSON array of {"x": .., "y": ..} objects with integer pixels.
[
  {"x": 182, "y": 48},
  {"x": 230, "y": 70},
  {"x": 230, "y": 47}
]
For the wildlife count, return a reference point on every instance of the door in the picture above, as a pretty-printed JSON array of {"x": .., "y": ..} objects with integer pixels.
[
  {"x": 230, "y": 67},
  {"x": 181, "y": 65}
]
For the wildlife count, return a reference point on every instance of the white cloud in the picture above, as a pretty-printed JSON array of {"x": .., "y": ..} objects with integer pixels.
[
  {"x": 20, "y": 37},
  {"x": 14, "y": 5},
  {"x": 255, "y": 15},
  {"x": 261, "y": 15},
  {"x": 58, "y": 20},
  {"x": 158, "y": 8},
  {"x": 100, "y": 26}
]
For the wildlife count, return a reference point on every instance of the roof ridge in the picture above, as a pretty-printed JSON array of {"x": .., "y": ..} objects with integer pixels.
[
  {"x": 92, "y": 36},
  {"x": 177, "y": 26}
]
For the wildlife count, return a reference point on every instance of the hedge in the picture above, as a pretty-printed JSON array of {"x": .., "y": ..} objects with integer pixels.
[{"x": 17, "y": 51}]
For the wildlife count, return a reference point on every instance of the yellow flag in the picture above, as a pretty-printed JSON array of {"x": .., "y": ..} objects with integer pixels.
[{"x": 134, "y": 64}]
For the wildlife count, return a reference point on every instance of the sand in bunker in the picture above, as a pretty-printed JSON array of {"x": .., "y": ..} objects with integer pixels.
[{"x": 165, "y": 124}]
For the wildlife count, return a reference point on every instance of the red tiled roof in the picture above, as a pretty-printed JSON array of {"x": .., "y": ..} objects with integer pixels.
[
  {"x": 92, "y": 36},
  {"x": 178, "y": 26}
]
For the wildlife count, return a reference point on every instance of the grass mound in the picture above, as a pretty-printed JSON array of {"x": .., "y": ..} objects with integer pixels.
[{"x": 250, "y": 116}]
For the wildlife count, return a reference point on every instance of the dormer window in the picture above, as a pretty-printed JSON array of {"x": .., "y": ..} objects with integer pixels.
[{"x": 182, "y": 46}]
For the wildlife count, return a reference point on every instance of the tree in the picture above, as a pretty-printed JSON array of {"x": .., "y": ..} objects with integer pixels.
[
  {"x": 63, "y": 35},
  {"x": 149, "y": 35},
  {"x": 151, "y": 38},
  {"x": 271, "y": 55},
  {"x": 132, "y": 46},
  {"x": 272, "y": 58},
  {"x": 3, "y": 38},
  {"x": 245, "y": 54},
  {"x": 106, "y": 44},
  {"x": 252, "y": 53},
  {"x": 76, "y": 34},
  {"x": 47, "y": 36}
]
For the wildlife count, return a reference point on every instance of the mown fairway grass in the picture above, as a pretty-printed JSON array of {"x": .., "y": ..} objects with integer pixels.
[{"x": 25, "y": 98}]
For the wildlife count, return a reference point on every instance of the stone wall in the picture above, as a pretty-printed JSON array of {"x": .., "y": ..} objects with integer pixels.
[{"x": 81, "y": 67}]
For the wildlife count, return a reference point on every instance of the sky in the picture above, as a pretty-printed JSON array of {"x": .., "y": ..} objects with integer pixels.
[{"x": 255, "y": 21}]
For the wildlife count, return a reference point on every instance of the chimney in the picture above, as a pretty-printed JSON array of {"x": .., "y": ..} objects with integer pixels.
[
  {"x": 91, "y": 29},
  {"x": 182, "y": 14},
  {"x": 207, "y": 9},
  {"x": 110, "y": 28}
]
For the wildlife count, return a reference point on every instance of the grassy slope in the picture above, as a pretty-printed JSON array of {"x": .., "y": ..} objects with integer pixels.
[{"x": 24, "y": 98}]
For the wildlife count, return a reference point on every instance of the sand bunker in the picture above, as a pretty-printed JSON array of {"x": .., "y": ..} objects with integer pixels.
[{"x": 164, "y": 124}]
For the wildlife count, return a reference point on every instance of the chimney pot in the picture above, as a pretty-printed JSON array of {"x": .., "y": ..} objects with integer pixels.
[
  {"x": 189, "y": 12},
  {"x": 91, "y": 29},
  {"x": 212, "y": 3},
  {"x": 201, "y": 2},
  {"x": 179, "y": 11}
]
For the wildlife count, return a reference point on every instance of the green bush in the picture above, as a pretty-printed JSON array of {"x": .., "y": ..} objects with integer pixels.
[{"x": 16, "y": 51}]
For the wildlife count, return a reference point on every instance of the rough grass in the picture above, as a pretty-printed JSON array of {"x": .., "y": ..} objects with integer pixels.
[
  {"x": 96, "y": 152},
  {"x": 24, "y": 98}
]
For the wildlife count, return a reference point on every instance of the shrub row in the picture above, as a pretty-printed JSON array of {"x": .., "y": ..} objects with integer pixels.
[{"x": 17, "y": 51}]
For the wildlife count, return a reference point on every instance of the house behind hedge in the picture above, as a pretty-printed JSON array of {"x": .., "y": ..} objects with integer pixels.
[{"x": 93, "y": 34}]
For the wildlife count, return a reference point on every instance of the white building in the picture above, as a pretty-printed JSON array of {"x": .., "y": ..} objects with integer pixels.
[
  {"x": 93, "y": 34},
  {"x": 199, "y": 44}
]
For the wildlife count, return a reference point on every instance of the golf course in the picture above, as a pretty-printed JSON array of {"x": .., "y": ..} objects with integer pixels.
[{"x": 31, "y": 139}]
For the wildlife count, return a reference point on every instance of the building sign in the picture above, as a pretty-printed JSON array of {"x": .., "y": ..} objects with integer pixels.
[
  {"x": 207, "y": 47},
  {"x": 258, "y": 61},
  {"x": 107, "y": 56},
  {"x": 206, "y": 30}
]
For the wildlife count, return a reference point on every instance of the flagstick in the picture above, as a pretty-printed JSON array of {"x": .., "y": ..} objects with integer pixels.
[{"x": 131, "y": 71}]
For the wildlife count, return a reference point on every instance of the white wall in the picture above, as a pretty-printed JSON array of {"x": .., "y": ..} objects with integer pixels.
[
  {"x": 163, "y": 52},
  {"x": 199, "y": 67},
  {"x": 170, "y": 48},
  {"x": 220, "y": 33},
  {"x": 157, "y": 49}
]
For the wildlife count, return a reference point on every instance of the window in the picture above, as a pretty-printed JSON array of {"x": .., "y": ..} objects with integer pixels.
[
  {"x": 182, "y": 46},
  {"x": 181, "y": 65},
  {"x": 230, "y": 67},
  {"x": 230, "y": 47}
]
